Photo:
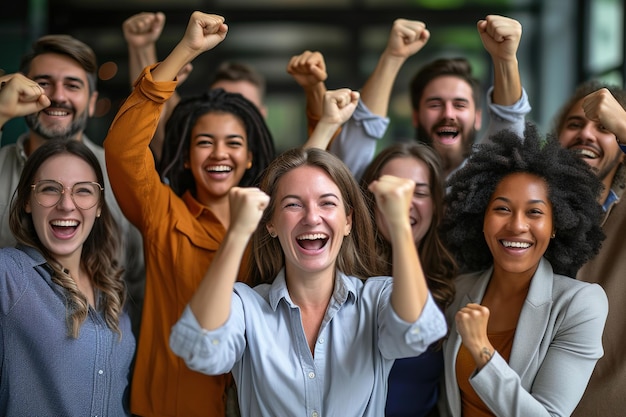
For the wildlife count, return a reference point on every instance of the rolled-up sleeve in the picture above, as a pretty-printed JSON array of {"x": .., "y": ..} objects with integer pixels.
[
  {"x": 211, "y": 352},
  {"x": 356, "y": 143}
]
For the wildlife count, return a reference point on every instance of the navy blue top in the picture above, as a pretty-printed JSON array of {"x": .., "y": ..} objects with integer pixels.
[
  {"x": 414, "y": 385},
  {"x": 43, "y": 371}
]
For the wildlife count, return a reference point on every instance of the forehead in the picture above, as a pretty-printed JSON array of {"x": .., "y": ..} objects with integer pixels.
[
  {"x": 522, "y": 185},
  {"x": 577, "y": 109},
  {"x": 243, "y": 87},
  {"x": 448, "y": 87},
  {"x": 66, "y": 168},
  {"x": 56, "y": 66},
  {"x": 407, "y": 167},
  {"x": 306, "y": 180}
]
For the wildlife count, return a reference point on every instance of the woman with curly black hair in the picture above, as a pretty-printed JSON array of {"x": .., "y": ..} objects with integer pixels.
[{"x": 521, "y": 217}]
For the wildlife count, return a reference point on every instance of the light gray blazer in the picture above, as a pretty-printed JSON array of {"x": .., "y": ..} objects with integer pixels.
[{"x": 557, "y": 343}]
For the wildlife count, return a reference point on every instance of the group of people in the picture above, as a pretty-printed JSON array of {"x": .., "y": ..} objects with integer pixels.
[{"x": 187, "y": 269}]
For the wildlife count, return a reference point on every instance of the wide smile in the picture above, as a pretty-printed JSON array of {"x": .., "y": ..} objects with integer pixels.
[
  {"x": 585, "y": 153},
  {"x": 312, "y": 242},
  {"x": 64, "y": 228},
  {"x": 448, "y": 135},
  {"x": 515, "y": 244}
]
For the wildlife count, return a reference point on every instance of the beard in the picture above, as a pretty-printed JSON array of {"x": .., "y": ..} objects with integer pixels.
[
  {"x": 78, "y": 125},
  {"x": 467, "y": 141}
]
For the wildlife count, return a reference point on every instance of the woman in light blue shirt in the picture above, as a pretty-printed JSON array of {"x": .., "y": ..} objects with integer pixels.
[{"x": 316, "y": 336}]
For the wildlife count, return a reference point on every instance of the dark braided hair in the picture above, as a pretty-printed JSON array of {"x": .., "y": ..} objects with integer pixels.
[
  {"x": 573, "y": 190},
  {"x": 178, "y": 137}
]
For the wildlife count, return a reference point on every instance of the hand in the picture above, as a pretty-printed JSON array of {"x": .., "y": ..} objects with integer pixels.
[
  {"x": 500, "y": 36},
  {"x": 143, "y": 29},
  {"x": 393, "y": 198},
  {"x": 20, "y": 96},
  {"x": 471, "y": 324},
  {"x": 339, "y": 105},
  {"x": 246, "y": 208},
  {"x": 407, "y": 37},
  {"x": 308, "y": 69},
  {"x": 601, "y": 107},
  {"x": 204, "y": 31}
]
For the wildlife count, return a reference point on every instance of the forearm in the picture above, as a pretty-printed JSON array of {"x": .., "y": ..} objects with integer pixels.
[
  {"x": 211, "y": 302},
  {"x": 409, "y": 284},
  {"x": 376, "y": 92},
  {"x": 138, "y": 59},
  {"x": 507, "y": 83}
]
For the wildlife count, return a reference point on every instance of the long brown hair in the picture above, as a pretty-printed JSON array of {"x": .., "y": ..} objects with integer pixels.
[
  {"x": 357, "y": 256},
  {"x": 439, "y": 266},
  {"x": 99, "y": 250}
]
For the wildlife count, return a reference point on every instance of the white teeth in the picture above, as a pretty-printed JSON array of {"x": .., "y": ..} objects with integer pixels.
[
  {"x": 220, "y": 168},
  {"x": 522, "y": 245},
  {"x": 64, "y": 223},
  {"x": 57, "y": 113},
  {"x": 586, "y": 152},
  {"x": 312, "y": 236}
]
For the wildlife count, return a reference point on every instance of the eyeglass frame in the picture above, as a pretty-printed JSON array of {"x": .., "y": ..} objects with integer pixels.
[{"x": 71, "y": 190}]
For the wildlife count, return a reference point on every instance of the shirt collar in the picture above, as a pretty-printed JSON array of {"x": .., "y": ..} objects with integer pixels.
[{"x": 344, "y": 287}]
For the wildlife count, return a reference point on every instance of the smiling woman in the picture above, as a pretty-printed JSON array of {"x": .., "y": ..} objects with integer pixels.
[
  {"x": 315, "y": 331},
  {"x": 62, "y": 293},
  {"x": 521, "y": 212}
]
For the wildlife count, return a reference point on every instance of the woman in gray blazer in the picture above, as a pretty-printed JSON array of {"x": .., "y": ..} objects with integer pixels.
[{"x": 522, "y": 217}]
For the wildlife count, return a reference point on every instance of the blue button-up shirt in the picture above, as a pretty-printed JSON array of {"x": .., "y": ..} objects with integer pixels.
[
  {"x": 264, "y": 344},
  {"x": 44, "y": 372}
]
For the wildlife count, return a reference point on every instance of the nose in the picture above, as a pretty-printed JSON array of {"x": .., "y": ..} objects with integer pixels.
[
  {"x": 311, "y": 215},
  {"x": 56, "y": 92},
  {"x": 588, "y": 132},
  {"x": 448, "y": 110},
  {"x": 518, "y": 223},
  {"x": 66, "y": 202},
  {"x": 218, "y": 151}
]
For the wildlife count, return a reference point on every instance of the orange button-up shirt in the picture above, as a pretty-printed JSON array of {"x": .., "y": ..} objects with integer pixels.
[{"x": 180, "y": 238}]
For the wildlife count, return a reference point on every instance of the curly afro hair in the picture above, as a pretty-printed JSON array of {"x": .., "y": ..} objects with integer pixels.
[{"x": 573, "y": 190}]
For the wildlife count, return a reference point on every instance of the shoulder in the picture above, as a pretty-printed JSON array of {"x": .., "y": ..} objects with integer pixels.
[{"x": 579, "y": 295}]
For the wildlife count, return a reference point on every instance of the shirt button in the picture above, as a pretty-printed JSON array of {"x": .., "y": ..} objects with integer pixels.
[
  {"x": 314, "y": 414},
  {"x": 215, "y": 341},
  {"x": 415, "y": 330},
  {"x": 321, "y": 341},
  {"x": 100, "y": 372},
  {"x": 311, "y": 375}
]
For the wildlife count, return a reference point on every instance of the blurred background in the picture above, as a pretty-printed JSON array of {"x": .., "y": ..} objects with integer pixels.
[{"x": 564, "y": 42}]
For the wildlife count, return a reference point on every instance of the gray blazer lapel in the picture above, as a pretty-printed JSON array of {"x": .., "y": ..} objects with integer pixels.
[{"x": 533, "y": 319}]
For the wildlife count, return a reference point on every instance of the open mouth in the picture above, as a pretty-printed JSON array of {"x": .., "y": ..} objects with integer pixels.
[
  {"x": 447, "y": 135},
  {"x": 312, "y": 241},
  {"x": 64, "y": 227}
]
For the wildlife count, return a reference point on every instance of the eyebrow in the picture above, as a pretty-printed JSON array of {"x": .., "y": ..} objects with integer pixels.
[
  {"x": 437, "y": 98},
  {"x": 50, "y": 77},
  {"x": 299, "y": 198},
  {"x": 537, "y": 201}
]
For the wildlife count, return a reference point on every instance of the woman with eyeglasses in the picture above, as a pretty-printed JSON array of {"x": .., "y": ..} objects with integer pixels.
[{"x": 66, "y": 344}]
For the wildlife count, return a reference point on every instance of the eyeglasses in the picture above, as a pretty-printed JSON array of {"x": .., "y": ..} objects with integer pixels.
[{"x": 84, "y": 194}]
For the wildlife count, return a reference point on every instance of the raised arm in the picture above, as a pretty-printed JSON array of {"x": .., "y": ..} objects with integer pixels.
[
  {"x": 410, "y": 292},
  {"x": 210, "y": 303},
  {"x": 20, "y": 96},
  {"x": 337, "y": 109},
  {"x": 204, "y": 31},
  {"x": 406, "y": 38},
  {"x": 141, "y": 32},
  {"x": 309, "y": 71},
  {"x": 501, "y": 37}
]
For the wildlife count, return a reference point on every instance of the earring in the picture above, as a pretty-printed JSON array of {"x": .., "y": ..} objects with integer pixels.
[
  {"x": 347, "y": 233},
  {"x": 249, "y": 165},
  {"x": 553, "y": 235},
  {"x": 273, "y": 234}
]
